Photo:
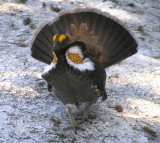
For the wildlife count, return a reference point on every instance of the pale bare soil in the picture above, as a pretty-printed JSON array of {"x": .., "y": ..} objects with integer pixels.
[{"x": 29, "y": 114}]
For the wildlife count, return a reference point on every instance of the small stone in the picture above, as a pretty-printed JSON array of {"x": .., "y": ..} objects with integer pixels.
[
  {"x": 119, "y": 108},
  {"x": 44, "y": 4},
  {"x": 27, "y": 21},
  {"x": 56, "y": 9},
  {"x": 22, "y": 1},
  {"x": 131, "y": 4},
  {"x": 56, "y": 121},
  {"x": 32, "y": 26}
]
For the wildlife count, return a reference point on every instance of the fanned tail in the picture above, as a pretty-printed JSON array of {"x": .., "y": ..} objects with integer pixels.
[{"x": 106, "y": 38}]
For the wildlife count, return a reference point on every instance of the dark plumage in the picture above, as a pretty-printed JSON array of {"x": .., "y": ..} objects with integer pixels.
[{"x": 79, "y": 45}]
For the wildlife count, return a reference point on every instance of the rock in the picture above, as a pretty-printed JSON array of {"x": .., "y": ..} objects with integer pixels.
[
  {"x": 27, "y": 21},
  {"x": 28, "y": 113}
]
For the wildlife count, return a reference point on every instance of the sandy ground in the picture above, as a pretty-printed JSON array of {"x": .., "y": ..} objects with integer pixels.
[{"x": 29, "y": 114}]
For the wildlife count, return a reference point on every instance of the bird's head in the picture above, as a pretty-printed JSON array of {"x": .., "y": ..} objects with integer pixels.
[
  {"x": 62, "y": 44},
  {"x": 73, "y": 51}
]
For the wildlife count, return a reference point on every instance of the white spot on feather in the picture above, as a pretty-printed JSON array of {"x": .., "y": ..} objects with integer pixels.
[
  {"x": 49, "y": 67},
  {"x": 87, "y": 64}
]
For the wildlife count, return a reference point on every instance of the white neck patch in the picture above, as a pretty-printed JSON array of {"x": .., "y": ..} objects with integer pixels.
[{"x": 86, "y": 64}]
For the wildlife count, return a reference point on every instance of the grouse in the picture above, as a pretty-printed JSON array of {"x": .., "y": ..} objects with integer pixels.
[{"x": 78, "y": 45}]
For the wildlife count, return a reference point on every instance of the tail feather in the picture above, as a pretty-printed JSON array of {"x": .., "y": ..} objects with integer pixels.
[
  {"x": 39, "y": 52},
  {"x": 41, "y": 58},
  {"x": 42, "y": 46},
  {"x": 117, "y": 57},
  {"x": 126, "y": 43},
  {"x": 110, "y": 38}
]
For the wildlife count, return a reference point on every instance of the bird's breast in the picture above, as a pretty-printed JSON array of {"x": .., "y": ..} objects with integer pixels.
[{"x": 71, "y": 85}]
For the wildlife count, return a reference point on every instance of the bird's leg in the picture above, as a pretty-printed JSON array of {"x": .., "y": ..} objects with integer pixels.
[
  {"x": 86, "y": 111},
  {"x": 71, "y": 109}
]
